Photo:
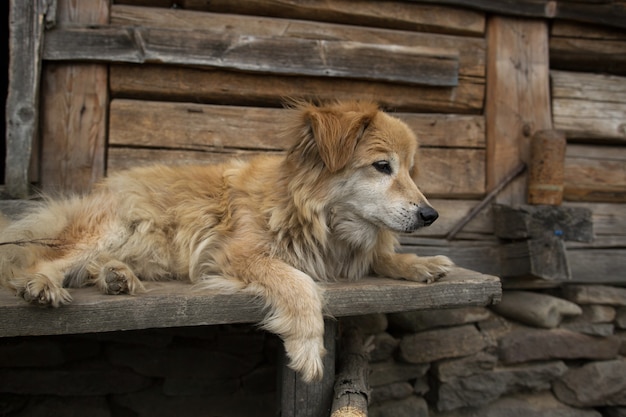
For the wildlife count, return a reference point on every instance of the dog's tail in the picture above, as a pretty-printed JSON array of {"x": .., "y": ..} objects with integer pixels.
[{"x": 30, "y": 238}]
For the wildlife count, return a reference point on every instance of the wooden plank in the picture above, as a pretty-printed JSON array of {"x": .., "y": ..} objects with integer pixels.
[
  {"x": 598, "y": 265},
  {"x": 246, "y": 89},
  {"x": 608, "y": 219},
  {"x": 589, "y": 106},
  {"x": 264, "y": 54},
  {"x": 611, "y": 13},
  {"x": 22, "y": 102},
  {"x": 471, "y": 50},
  {"x": 595, "y": 173},
  {"x": 213, "y": 127},
  {"x": 518, "y": 102},
  {"x": 587, "y": 48},
  {"x": 478, "y": 256},
  {"x": 392, "y": 15},
  {"x": 173, "y": 304},
  {"x": 74, "y": 111}
]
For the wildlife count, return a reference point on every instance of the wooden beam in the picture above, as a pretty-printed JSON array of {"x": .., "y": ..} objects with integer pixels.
[
  {"x": 518, "y": 101},
  {"x": 264, "y": 54},
  {"x": 173, "y": 304},
  {"x": 74, "y": 111},
  {"x": 22, "y": 105},
  {"x": 595, "y": 173}
]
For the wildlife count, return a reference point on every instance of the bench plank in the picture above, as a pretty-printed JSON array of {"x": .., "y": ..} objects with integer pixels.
[{"x": 174, "y": 304}]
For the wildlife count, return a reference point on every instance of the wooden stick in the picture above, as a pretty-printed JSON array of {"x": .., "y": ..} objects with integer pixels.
[
  {"x": 490, "y": 196},
  {"x": 351, "y": 383}
]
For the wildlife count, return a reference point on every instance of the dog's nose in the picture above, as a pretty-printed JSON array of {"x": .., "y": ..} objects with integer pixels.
[{"x": 428, "y": 215}]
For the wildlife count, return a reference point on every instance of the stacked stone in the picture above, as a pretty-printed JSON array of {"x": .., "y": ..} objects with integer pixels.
[
  {"x": 229, "y": 370},
  {"x": 549, "y": 353}
]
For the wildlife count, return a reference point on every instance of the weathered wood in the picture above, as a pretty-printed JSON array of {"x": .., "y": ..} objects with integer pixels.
[
  {"x": 547, "y": 166},
  {"x": 172, "y": 304},
  {"x": 599, "y": 265},
  {"x": 544, "y": 257},
  {"x": 22, "y": 104},
  {"x": 518, "y": 102},
  {"x": 237, "y": 88},
  {"x": 529, "y": 222},
  {"x": 74, "y": 111},
  {"x": 351, "y": 384},
  {"x": 244, "y": 52},
  {"x": 589, "y": 106},
  {"x": 611, "y": 13},
  {"x": 595, "y": 173},
  {"x": 299, "y": 399},
  {"x": 471, "y": 50},
  {"x": 397, "y": 15},
  {"x": 608, "y": 219},
  {"x": 587, "y": 48}
]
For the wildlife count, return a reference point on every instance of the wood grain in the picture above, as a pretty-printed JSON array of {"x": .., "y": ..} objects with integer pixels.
[
  {"x": 589, "y": 106},
  {"x": 595, "y": 173},
  {"x": 172, "y": 304}
]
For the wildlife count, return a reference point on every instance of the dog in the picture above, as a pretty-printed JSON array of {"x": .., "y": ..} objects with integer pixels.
[{"x": 272, "y": 226}]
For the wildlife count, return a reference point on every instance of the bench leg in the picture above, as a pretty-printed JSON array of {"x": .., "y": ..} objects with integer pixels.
[{"x": 299, "y": 399}]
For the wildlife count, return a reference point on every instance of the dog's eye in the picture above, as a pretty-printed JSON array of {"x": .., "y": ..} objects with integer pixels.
[{"x": 382, "y": 166}]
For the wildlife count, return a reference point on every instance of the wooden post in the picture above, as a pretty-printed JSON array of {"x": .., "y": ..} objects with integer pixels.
[
  {"x": 518, "y": 97},
  {"x": 22, "y": 107},
  {"x": 299, "y": 399},
  {"x": 74, "y": 111},
  {"x": 547, "y": 168}
]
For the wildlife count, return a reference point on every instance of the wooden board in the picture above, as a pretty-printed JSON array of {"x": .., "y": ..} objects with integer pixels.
[
  {"x": 392, "y": 15},
  {"x": 589, "y": 106},
  {"x": 173, "y": 304},
  {"x": 471, "y": 50},
  {"x": 595, "y": 173},
  {"x": 74, "y": 111},
  {"x": 518, "y": 102},
  {"x": 246, "y": 89},
  {"x": 587, "y": 48}
]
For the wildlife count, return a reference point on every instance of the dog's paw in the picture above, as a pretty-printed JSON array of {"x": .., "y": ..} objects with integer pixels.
[
  {"x": 41, "y": 291},
  {"x": 306, "y": 357},
  {"x": 431, "y": 268},
  {"x": 117, "y": 278}
]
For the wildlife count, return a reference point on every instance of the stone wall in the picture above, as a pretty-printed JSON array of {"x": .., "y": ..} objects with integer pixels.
[
  {"x": 227, "y": 370},
  {"x": 557, "y": 352}
]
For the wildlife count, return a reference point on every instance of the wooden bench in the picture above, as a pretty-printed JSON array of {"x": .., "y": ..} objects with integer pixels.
[{"x": 175, "y": 304}]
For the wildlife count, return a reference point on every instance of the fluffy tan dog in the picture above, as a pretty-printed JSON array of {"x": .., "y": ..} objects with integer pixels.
[{"x": 330, "y": 208}]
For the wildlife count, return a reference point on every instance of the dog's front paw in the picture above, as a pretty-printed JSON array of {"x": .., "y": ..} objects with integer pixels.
[
  {"x": 305, "y": 357},
  {"x": 41, "y": 291},
  {"x": 431, "y": 268}
]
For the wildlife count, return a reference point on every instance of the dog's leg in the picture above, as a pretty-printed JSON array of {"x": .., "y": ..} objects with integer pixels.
[
  {"x": 412, "y": 267},
  {"x": 43, "y": 286},
  {"x": 294, "y": 303}
]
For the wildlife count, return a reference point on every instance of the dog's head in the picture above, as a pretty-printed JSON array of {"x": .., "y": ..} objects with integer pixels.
[{"x": 367, "y": 160}]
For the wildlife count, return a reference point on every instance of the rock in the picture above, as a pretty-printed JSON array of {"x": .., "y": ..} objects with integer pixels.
[
  {"x": 384, "y": 346},
  {"x": 416, "y": 321},
  {"x": 409, "y": 407},
  {"x": 535, "y": 309},
  {"x": 383, "y": 373},
  {"x": 522, "y": 405},
  {"x": 45, "y": 351},
  {"x": 484, "y": 387},
  {"x": 433, "y": 345},
  {"x": 200, "y": 386},
  {"x": 594, "y": 384},
  {"x": 454, "y": 368},
  {"x": 592, "y": 329},
  {"x": 421, "y": 386},
  {"x": 620, "y": 318},
  {"x": 614, "y": 411},
  {"x": 67, "y": 407},
  {"x": 394, "y": 391},
  {"x": 622, "y": 338},
  {"x": 525, "y": 345},
  {"x": 594, "y": 313},
  {"x": 595, "y": 294}
]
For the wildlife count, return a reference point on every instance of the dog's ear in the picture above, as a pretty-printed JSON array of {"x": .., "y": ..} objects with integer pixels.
[{"x": 336, "y": 133}]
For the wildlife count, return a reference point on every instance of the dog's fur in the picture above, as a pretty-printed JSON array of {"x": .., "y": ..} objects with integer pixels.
[{"x": 330, "y": 208}]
